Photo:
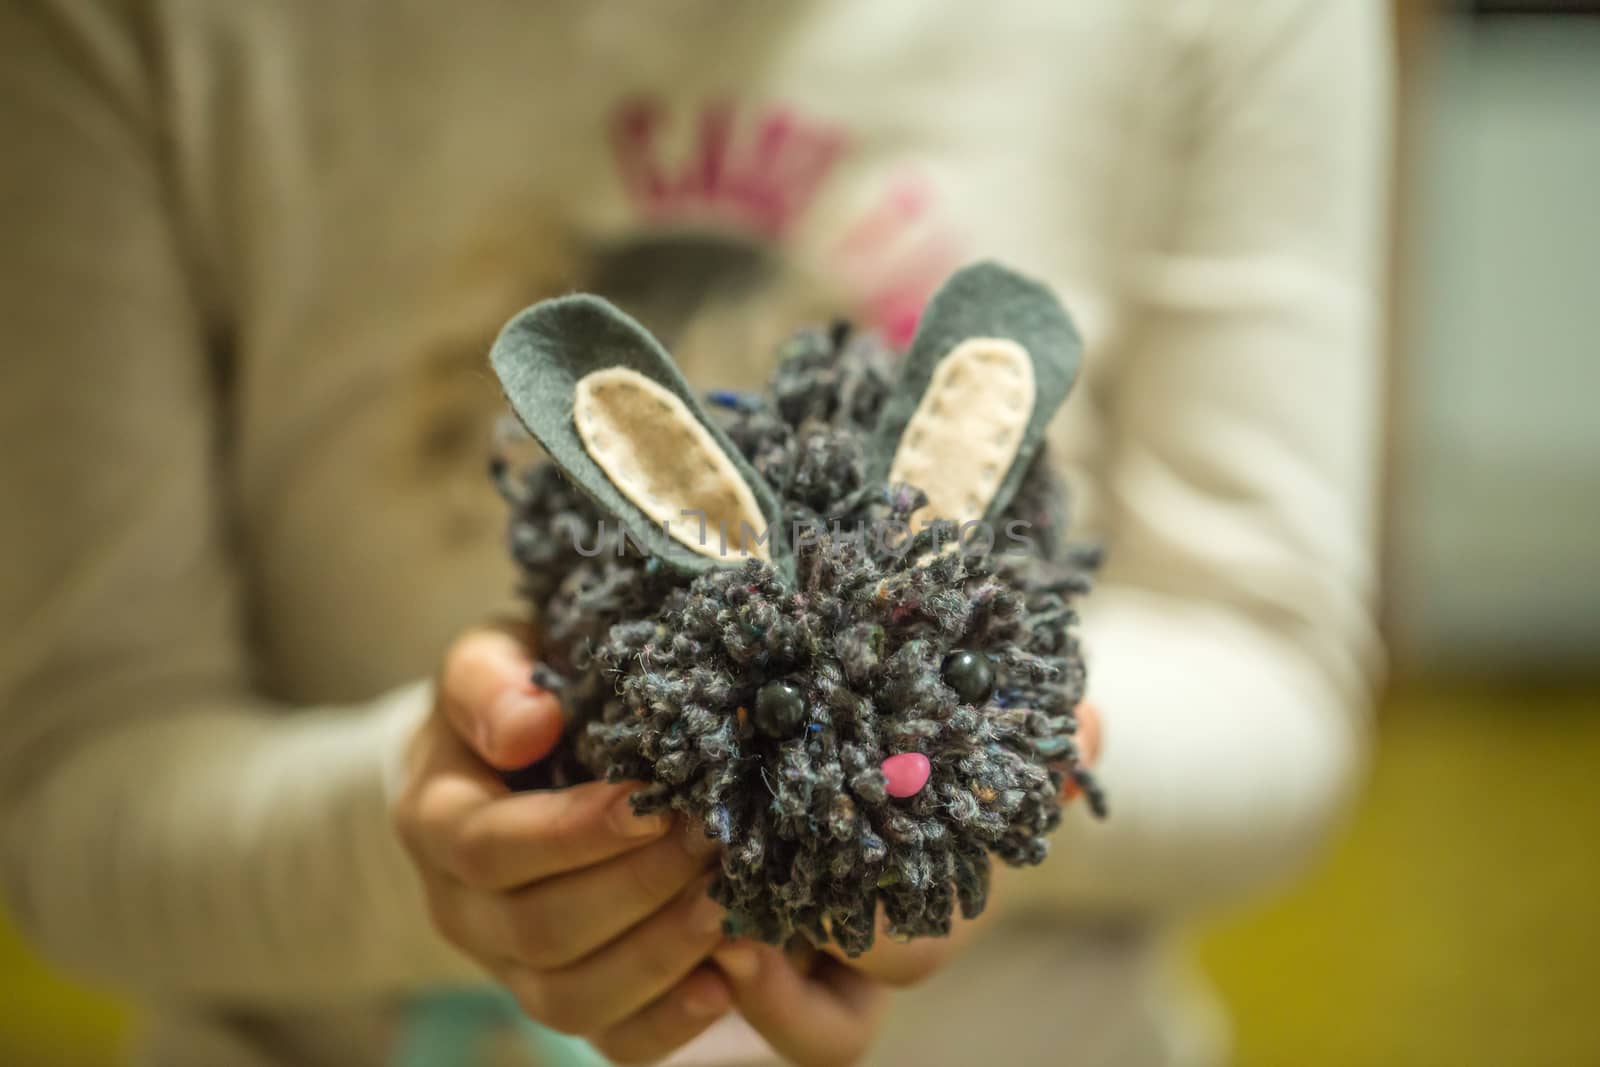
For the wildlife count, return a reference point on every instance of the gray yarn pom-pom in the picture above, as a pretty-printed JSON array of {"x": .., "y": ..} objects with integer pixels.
[{"x": 660, "y": 673}]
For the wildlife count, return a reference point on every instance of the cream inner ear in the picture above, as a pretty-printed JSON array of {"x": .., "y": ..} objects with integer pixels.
[
  {"x": 662, "y": 459},
  {"x": 965, "y": 433}
]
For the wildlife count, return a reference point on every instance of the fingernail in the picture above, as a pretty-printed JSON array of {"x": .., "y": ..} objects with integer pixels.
[
  {"x": 627, "y": 824},
  {"x": 706, "y": 918},
  {"x": 702, "y": 1002},
  {"x": 740, "y": 962},
  {"x": 504, "y": 710}
]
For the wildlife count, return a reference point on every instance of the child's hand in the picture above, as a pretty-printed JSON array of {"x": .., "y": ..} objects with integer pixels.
[
  {"x": 595, "y": 918},
  {"x": 813, "y": 1010}
]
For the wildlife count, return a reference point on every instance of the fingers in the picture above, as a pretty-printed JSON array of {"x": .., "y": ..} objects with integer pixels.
[
  {"x": 601, "y": 990},
  {"x": 670, "y": 1022},
  {"x": 823, "y": 1019},
  {"x": 486, "y": 693},
  {"x": 561, "y": 920},
  {"x": 446, "y": 785},
  {"x": 576, "y": 912},
  {"x": 1089, "y": 731},
  {"x": 902, "y": 963},
  {"x": 459, "y": 818},
  {"x": 524, "y": 837}
]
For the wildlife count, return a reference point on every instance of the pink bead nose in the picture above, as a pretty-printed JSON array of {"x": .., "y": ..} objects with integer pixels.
[{"x": 907, "y": 773}]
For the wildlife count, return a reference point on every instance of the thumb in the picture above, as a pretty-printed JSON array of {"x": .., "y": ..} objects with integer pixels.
[{"x": 488, "y": 697}]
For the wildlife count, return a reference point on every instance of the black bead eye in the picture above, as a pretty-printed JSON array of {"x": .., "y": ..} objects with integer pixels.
[
  {"x": 779, "y": 709},
  {"x": 970, "y": 675}
]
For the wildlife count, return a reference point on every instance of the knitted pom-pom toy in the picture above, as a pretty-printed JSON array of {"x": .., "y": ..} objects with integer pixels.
[{"x": 832, "y": 627}]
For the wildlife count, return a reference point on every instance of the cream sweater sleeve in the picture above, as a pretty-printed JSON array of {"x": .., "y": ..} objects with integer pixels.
[
  {"x": 160, "y": 827},
  {"x": 1231, "y": 639}
]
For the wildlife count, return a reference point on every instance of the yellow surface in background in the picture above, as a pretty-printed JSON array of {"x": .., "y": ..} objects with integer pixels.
[
  {"x": 1457, "y": 923},
  {"x": 48, "y": 1022}
]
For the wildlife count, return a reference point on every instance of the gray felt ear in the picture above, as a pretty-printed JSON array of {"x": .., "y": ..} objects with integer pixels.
[
  {"x": 993, "y": 358},
  {"x": 612, "y": 410}
]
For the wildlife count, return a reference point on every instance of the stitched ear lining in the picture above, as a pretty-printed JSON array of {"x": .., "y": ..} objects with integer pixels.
[
  {"x": 663, "y": 460},
  {"x": 541, "y": 358},
  {"x": 960, "y": 425},
  {"x": 965, "y": 433}
]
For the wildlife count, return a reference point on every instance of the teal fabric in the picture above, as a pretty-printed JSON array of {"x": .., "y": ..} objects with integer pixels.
[
  {"x": 540, "y": 356},
  {"x": 987, "y": 300},
  {"x": 452, "y": 1027}
]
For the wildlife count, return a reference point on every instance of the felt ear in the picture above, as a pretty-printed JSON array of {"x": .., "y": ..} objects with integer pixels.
[
  {"x": 993, "y": 358},
  {"x": 610, "y": 407}
]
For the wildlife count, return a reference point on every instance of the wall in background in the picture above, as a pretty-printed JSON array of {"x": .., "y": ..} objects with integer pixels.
[{"x": 1496, "y": 514}]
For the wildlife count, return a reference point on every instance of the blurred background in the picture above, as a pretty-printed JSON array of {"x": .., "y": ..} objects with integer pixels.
[{"x": 1458, "y": 920}]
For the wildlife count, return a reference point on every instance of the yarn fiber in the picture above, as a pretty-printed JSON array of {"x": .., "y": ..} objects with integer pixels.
[{"x": 658, "y": 672}]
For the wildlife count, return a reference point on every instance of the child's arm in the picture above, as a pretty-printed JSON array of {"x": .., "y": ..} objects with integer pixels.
[
  {"x": 1231, "y": 638},
  {"x": 161, "y": 827}
]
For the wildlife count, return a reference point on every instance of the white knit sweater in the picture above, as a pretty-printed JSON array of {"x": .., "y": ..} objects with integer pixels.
[{"x": 252, "y": 255}]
